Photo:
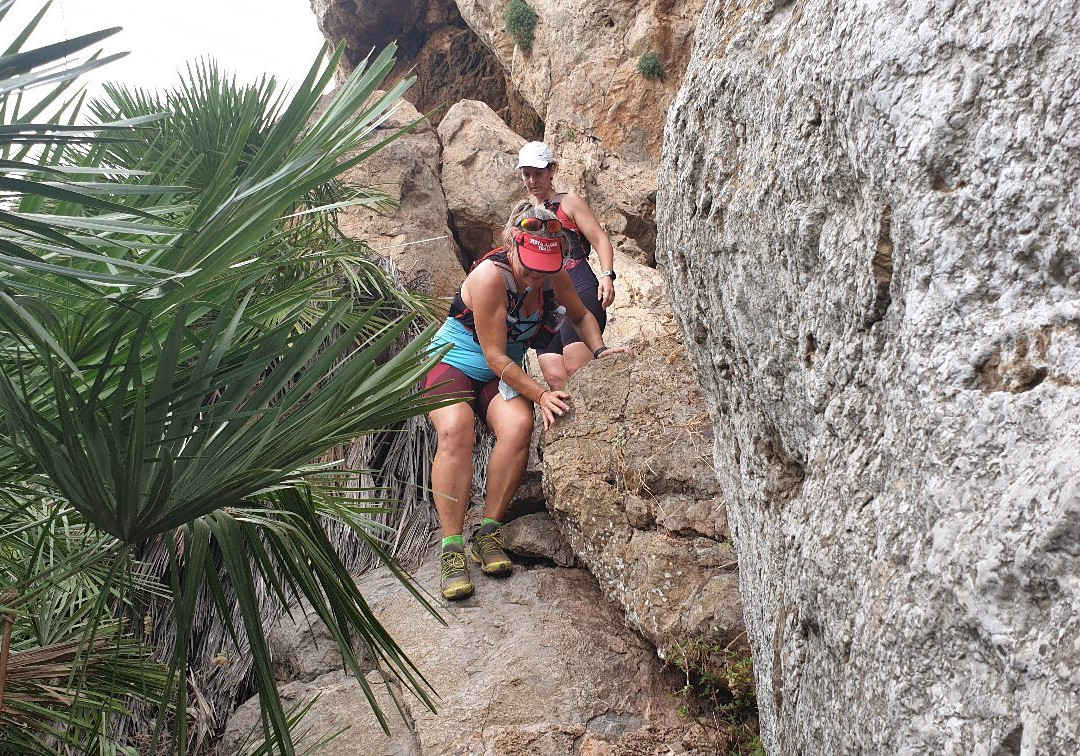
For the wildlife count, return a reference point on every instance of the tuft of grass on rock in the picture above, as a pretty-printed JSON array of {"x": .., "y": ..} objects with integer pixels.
[
  {"x": 520, "y": 23},
  {"x": 650, "y": 66},
  {"x": 720, "y": 692}
]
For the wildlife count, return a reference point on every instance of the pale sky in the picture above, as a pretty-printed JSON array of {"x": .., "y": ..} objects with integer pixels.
[{"x": 246, "y": 37}]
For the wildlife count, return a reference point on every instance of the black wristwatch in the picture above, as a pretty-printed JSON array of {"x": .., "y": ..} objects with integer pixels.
[{"x": 609, "y": 273}]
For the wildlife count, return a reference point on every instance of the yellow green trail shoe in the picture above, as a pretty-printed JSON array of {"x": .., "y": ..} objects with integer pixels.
[
  {"x": 456, "y": 583},
  {"x": 487, "y": 551}
]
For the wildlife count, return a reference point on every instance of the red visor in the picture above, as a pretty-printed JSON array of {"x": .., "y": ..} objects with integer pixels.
[{"x": 539, "y": 253}]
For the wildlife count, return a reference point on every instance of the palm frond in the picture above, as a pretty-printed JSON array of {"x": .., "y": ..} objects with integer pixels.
[{"x": 185, "y": 331}]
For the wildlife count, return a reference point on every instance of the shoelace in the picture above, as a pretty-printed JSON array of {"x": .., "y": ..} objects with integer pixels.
[
  {"x": 453, "y": 563},
  {"x": 490, "y": 544}
]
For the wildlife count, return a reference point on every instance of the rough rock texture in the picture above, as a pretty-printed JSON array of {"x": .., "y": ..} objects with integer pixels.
[
  {"x": 537, "y": 664},
  {"x": 630, "y": 482},
  {"x": 869, "y": 221},
  {"x": 582, "y": 76},
  {"x": 478, "y": 175},
  {"x": 434, "y": 44},
  {"x": 641, "y": 314},
  {"x": 415, "y": 234},
  {"x": 603, "y": 119},
  {"x": 342, "y": 710},
  {"x": 538, "y": 537},
  {"x": 302, "y": 647}
]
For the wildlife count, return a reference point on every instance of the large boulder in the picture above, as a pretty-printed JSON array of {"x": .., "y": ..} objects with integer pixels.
[
  {"x": 478, "y": 174},
  {"x": 630, "y": 481},
  {"x": 413, "y": 230},
  {"x": 869, "y": 222}
]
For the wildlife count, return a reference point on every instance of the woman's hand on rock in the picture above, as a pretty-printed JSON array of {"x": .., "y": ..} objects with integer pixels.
[
  {"x": 615, "y": 350},
  {"x": 553, "y": 405}
]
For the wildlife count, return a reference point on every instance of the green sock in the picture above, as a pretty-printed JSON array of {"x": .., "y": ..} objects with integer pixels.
[
  {"x": 456, "y": 540},
  {"x": 489, "y": 521}
]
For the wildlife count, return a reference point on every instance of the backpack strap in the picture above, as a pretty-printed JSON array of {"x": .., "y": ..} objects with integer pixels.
[
  {"x": 579, "y": 244},
  {"x": 514, "y": 301}
]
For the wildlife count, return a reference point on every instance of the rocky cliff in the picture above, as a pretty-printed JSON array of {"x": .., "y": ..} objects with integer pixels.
[
  {"x": 578, "y": 88},
  {"x": 868, "y": 219},
  {"x": 629, "y": 477},
  {"x": 536, "y": 665}
]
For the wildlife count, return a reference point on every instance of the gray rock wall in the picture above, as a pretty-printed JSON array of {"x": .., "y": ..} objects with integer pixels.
[{"x": 868, "y": 220}]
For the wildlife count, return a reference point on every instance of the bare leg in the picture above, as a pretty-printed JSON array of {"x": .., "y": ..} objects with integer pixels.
[
  {"x": 451, "y": 470},
  {"x": 512, "y": 423},
  {"x": 554, "y": 370},
  {"x": 575, "y": 357}
]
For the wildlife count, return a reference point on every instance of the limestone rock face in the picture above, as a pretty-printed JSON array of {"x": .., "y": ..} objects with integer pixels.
[
  {"x": 341, "y": 704},
  {"x": 869, "y": 222},
  {"x": 537, "y": 664},
  {"x": 434, "y": 44},
  {"x": 602, "y": 117},
  {"x": 582, "y": 76},
  {"x": 579, "y": 89},
  {"x": 641, "y": 317},
  {"x": 415, "y": 234},
  {"x": 478, "y": 174},
  {"x": 631, "y": 483}
]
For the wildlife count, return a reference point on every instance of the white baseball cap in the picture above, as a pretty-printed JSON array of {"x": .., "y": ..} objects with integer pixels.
[{"x": 535, "y": 155}]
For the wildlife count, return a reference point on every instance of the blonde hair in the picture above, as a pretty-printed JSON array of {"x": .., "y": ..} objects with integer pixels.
[{"x": 526, "y": 209}]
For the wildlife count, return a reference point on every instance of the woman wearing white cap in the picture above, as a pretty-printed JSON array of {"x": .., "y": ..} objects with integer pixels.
[
  {"x": 567, "y": 353},
  {"x": 508, "y": 303}
]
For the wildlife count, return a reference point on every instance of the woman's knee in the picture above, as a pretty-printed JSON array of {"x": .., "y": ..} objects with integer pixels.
[
  {"x": 455, "y": 432},
  {"x": 515, "y": 428},
  {"x": 458, "y": 436},
  {"x": 554, "y": 370},
  {"x": 575, "y": 357}
]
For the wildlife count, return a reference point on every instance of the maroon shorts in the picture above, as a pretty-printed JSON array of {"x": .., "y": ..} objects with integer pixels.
[{"x": 455, "y": 381}]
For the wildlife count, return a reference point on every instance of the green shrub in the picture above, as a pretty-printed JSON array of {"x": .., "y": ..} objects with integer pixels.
[
  {"x": 520, "y": 23},
  {"x": 720, "y": 691},
  {"x": 649, "y": 66}
]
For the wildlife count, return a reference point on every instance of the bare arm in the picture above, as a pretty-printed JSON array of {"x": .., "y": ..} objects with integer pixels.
[
  {"x": 578, "y": 211},
  {"x": 584, "y": 322}
]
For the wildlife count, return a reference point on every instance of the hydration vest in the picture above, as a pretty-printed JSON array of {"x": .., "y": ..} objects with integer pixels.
[
  {"x": 579, "y": 245},
  {"x": 514, "y": 301}
]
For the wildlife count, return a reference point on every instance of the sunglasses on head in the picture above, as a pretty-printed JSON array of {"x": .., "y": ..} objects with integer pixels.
[{"x": 533, "y": 225}]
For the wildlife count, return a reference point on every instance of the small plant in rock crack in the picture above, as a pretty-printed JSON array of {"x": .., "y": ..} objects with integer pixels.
[
  {"x": 719, "y": 691},
  {"x": 650, "y": 66},
  {"x": 619, "y": 441},
  {"x": 520, "y": 23}
]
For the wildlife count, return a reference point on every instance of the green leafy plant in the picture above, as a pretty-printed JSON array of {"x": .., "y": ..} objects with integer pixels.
[
  {"x": 177, "y": 350},
  {"x": 719, "y": 690},
  {"x": 650, "y": 66},
  {"x": 520, "y": 23}
]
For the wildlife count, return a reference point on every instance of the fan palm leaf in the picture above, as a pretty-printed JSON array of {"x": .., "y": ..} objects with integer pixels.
[{"x": 173, "y": 361}]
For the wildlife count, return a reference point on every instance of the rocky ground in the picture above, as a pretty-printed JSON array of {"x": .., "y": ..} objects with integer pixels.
[{"x": 537, "y": 663}]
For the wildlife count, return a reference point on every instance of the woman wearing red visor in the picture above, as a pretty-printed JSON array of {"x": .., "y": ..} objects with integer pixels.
[{"x": 509, "y": 302}]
